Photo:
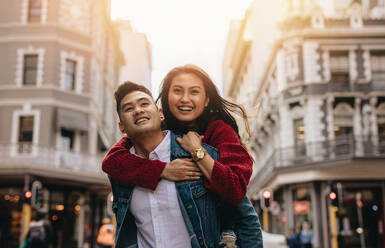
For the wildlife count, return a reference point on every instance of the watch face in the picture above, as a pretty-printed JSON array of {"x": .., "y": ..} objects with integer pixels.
[{"x": 200, "y": 154}]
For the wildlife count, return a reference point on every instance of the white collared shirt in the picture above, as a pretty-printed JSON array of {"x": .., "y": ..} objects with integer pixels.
[{"x": 158, "y": 217}]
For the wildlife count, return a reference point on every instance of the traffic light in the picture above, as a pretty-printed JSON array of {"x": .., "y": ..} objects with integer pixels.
[
  {"x": 266, "y": 198},
  {"x": 27, "y": 196},
  {"x": 333, "y": 197},
  {"x": 37, "y": 194}
]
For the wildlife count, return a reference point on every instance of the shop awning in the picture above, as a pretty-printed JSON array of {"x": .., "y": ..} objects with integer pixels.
[{"x": 72, "y": 119}]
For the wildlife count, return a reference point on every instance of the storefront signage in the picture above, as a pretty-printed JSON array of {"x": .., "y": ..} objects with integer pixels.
[{"x": 301, "y": 207}]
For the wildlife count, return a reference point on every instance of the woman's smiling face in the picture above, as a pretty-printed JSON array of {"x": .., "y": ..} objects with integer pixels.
[{"x": 187, "y": 97}]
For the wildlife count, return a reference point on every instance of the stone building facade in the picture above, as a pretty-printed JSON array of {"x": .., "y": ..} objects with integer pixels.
[
  {"x": 137, "y": 54},
  {"x": 59, "y": 66},
  {"x": 317, "y": 110}
]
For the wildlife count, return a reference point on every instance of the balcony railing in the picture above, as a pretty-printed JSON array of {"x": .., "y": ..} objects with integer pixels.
[
  {"x": 30, "y": 155},
  {"x": 348, "y": 147}
]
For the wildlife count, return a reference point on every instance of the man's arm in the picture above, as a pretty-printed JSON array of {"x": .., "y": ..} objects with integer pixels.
[{"x": 130, "y": 170}]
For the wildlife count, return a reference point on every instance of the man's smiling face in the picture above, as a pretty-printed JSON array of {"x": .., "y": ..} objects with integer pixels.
[{"x": 139, "y": 114}]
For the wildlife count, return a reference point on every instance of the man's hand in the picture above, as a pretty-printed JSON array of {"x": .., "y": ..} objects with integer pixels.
[
  {"x": 190, "y": 141},
  {"x": 181, "y": 169}
]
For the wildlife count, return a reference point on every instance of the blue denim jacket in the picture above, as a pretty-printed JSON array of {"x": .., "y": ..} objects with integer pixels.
[
  {"x": 199, "y": 210},
  {"x": 242, "y": 218}
]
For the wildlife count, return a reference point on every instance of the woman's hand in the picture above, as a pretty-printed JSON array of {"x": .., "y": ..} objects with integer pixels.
[
  {"x": 190, "y": 141},
  {"x": 181, "y": 169}
]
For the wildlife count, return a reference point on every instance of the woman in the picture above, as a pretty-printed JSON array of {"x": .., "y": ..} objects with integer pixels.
[{"x": 192, "y": 106}]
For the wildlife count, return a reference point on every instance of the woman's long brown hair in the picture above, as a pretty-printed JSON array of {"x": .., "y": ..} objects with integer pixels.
[{"x": 217, "y": 109}]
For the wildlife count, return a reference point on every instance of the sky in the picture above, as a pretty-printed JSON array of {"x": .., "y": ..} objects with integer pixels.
[{"x": 182, "y": 31}]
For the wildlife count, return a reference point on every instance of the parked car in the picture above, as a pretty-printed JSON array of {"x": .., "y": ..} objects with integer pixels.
[{"x": 271, "y": 240}]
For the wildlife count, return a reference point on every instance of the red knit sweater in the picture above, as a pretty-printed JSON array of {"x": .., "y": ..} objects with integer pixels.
[{"x": 229, "y": 177}]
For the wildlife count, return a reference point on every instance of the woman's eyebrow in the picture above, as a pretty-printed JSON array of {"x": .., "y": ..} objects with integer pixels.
[{"x": 196, "y": 86}]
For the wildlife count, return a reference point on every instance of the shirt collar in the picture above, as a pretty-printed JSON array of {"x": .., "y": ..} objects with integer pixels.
[{"x": 162, "y": 151}]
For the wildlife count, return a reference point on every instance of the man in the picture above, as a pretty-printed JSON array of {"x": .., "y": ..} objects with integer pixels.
[
  {"x": 175, "y": 214},
  {"x": 40, "y": 232},
  {"x": 156, "y": 215}
]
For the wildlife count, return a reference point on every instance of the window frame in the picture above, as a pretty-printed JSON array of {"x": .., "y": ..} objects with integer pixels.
[
  {"x": 79, "y": 71},
  {"x": 25, "y": 12},
  {"x": 27, "y": 69},
  {"x": 21, "y": 53},
  {"x": 70, "y": 74},
  {"x": 342, "y": 71},
  {"x": 25, "y": 111},
  {"x": 380, "y": 54},
  {"x": 31, "y": 17}
]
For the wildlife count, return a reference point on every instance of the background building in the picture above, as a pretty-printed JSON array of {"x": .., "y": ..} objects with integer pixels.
[
  {"x": 137, "y": 55},
  {"x": 59, "y": 66},
  {"x": 317, "y": 97}
]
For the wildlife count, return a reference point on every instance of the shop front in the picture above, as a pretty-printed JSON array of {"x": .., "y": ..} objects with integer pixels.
[
  {"x": 359, "y": 215},
  {"x": 11, "y": 205},
  {"x": 75, "y": 215}
]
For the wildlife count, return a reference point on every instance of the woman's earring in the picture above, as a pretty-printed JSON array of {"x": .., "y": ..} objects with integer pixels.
[{"x": 161, "y": 118}]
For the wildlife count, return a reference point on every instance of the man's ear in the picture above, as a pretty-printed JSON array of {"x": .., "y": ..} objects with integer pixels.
[
  {"x": 121, "y": 127},
  {"x": 161, "y": 114}
]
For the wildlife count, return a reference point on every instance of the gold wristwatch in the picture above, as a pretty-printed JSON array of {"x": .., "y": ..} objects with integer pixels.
[{"x": 198, "y": 154}]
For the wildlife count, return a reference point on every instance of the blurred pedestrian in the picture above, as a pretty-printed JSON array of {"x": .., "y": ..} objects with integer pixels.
[
  {"x": 307, "y": 238},
  {"x": 106, "y": 234},
  {"x": 294, "y": 239},
  {"x": 40, "y": 232}
]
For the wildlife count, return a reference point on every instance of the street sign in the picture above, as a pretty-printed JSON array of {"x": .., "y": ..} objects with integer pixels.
[{"x": 301, "y": 207}]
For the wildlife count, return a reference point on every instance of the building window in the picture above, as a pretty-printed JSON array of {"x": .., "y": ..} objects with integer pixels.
[
  {"x": 67, "y": 139},
  {"x": 29, "y": 66},
  {"x": 34, "y": 10},
  {"x": 30, "y": 69},
  {"x": 381, "y": 133},
  {"x": 299, "y": 130},
  {"x": 339, "y": 68},
  {"x": 71, "y": 71},
  {"x": 292, "y": 67},
  {"x": 343, "y": 133},
  {"x": 378, "y": 69},
  {"x": 25, "y": 133},
  {"x": 299, "y": 137},
  {"x": 381, "y": 125},
  {"x": 70, "y": 74},
  {"x": 374, "y": 3}
]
